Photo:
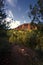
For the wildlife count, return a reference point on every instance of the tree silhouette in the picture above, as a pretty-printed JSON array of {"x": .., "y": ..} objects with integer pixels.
[
  {"x": 2, "y": 14},
  {"x": 2, "y": 19},
  {"x": 36, "y": 13}
]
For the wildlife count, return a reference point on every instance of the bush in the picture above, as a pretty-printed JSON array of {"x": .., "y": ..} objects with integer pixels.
[{"x": 31, "y": 39}]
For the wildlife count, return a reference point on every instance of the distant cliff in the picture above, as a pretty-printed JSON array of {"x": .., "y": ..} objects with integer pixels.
[{"x": 26, "y": 26}]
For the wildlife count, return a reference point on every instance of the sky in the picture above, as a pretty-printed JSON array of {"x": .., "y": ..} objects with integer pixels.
[{"x": 18, "y": 11}]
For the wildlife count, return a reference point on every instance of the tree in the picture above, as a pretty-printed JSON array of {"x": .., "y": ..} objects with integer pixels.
[
  {"x": 37, "y": 11},
  {"x": 2, "y": 14},
  {"x": 4, "y": 44},
  {"x": 2, "y": 19},
  {"x": 40, "y": 3}
]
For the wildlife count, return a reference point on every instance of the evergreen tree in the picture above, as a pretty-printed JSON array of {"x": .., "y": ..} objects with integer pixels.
[{"x": 2, "y": 14}]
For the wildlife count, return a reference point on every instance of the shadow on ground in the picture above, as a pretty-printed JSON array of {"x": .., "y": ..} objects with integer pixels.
[{"x": 18, "y": 55}]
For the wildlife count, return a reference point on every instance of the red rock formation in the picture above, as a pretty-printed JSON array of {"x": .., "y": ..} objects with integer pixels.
[{"x": 26, "y": 26}]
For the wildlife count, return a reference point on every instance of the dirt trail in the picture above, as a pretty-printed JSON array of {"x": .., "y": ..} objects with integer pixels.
[
  {"x": 19, "y": 55},
  {"x": 22, "y": 55}
]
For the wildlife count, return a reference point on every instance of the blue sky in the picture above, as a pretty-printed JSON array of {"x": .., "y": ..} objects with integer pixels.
[{"x": 18, "y": 9}]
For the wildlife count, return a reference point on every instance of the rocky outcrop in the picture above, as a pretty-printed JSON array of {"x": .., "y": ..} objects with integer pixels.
[{"x": 26, "y": 26}]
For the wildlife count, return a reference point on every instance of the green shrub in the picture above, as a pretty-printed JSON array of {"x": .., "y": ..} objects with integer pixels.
[{"x": 31, "y": 39}]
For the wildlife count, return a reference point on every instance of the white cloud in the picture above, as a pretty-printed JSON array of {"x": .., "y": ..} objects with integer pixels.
[
  {"x": 24, "y": 21},
  {"x": 8, "y": 19},
  {"x": 9, "y": 14},
  {"x": 14, "y": 24},
  {"x": 12, "y": 2}
]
